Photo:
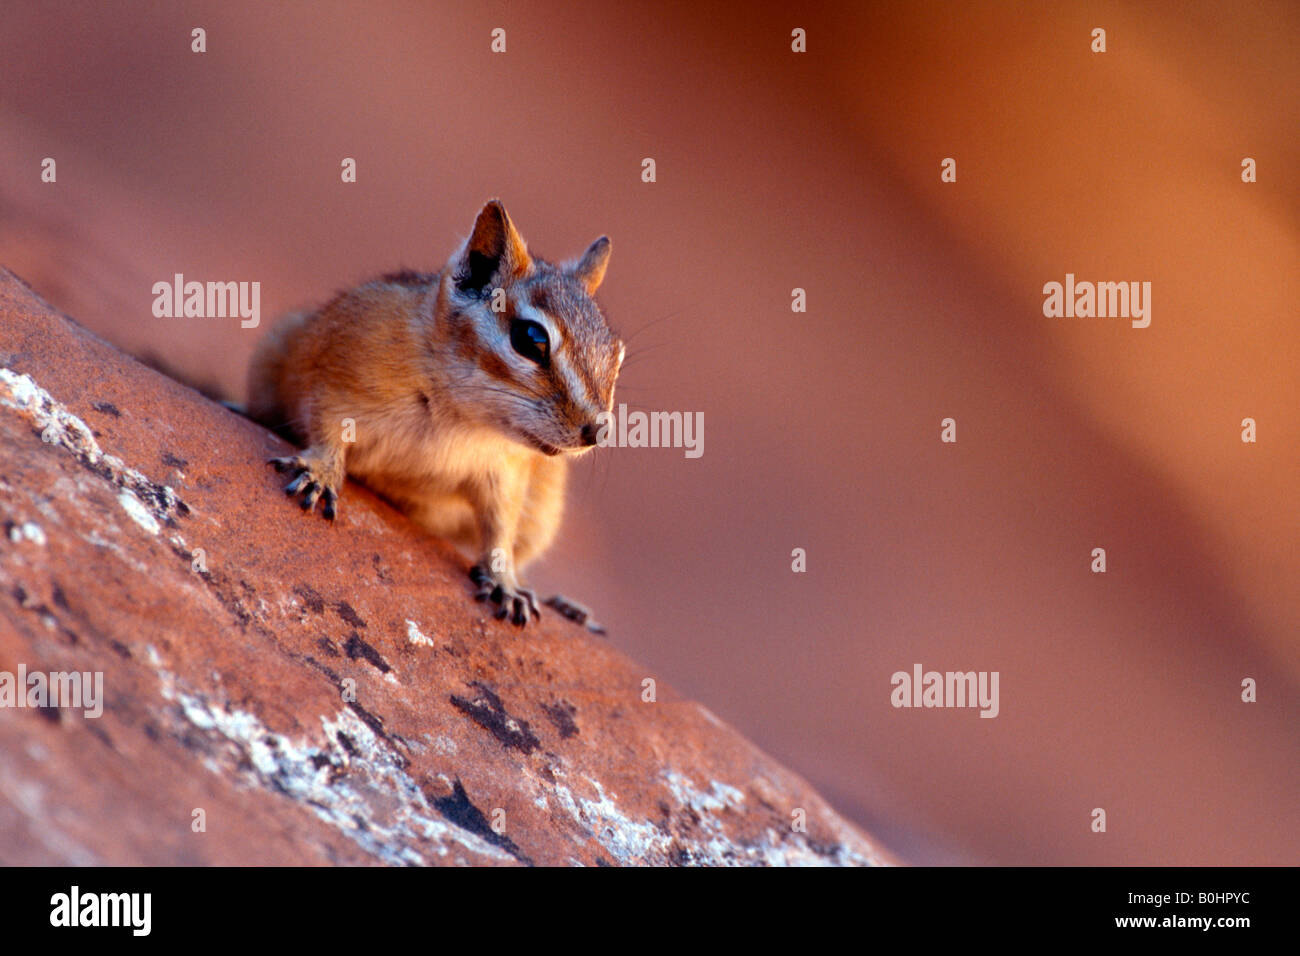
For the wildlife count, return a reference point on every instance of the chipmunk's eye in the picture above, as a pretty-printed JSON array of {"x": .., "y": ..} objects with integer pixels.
[{"x": 530, "y": 341}]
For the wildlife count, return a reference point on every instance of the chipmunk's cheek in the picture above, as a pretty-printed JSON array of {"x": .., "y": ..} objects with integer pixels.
[{"x": 545, "y": 447}]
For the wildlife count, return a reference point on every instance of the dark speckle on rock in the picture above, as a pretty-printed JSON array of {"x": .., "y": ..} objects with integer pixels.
[
  {"x": 107, "y": 408},
  {"x": 561, "y": 715},
  {"x": 458, "y": 809},
  {"x": 320, "y": 761},
  {"x": 174, "y": 461},
  {"x": 356, "y": 649},
  {"x": 488, "y": 712},
  {"x": 346, "y": 612},
  {"x": 315, "y": 603},
  {"x": 324, "y": 669},
  {"x": 826, "y": 850}
]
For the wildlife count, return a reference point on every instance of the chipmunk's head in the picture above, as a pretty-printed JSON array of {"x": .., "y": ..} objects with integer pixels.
[{"x": 532, "y": 353}]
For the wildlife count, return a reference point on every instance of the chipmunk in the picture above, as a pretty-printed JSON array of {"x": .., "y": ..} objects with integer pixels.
[{"x": 468, "y": 389}]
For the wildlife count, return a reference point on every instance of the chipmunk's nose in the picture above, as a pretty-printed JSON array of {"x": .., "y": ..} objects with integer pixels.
[{"x": 589, "y": 434}]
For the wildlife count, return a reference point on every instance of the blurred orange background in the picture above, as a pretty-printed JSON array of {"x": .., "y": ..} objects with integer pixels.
[{"x": 819, "y": 170}]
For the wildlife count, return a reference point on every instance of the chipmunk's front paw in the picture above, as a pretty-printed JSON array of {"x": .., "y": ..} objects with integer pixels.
[
  {"x": 513, "y": 602},
  {"x": 310, "y": 483}
]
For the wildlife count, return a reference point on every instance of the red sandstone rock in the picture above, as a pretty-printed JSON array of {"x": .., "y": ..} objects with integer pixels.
[{"x": 224, "y": 688}]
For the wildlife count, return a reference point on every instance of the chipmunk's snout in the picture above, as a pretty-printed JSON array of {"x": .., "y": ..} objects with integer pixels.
[{"x": 589, "y": 433}]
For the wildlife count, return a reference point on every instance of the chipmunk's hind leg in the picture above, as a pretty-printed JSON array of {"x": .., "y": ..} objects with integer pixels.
[{"x": 575, "y": 612}]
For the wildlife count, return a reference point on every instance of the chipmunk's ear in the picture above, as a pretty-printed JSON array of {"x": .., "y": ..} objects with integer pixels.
[
  {"x": 590, "y": 269},
  {"x": 495, "y": 249}
]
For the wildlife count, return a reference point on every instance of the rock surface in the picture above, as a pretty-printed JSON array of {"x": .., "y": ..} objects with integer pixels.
[{"x": 277, "y": 690}]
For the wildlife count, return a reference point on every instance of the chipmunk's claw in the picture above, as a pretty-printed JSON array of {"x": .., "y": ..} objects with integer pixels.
[
  {"x": 516, "y": 604},
  {"x": 530, "y": 600},
  {"x": 575, "y": 612},
  {"x": 307, "y": 486}
]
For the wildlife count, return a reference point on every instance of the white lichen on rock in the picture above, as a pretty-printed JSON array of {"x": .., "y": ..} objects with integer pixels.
[
  {"x": 137, "y": 512},
  {"x": 28, "y": 530},
  {"x": 358, "y": 787},
  {"x": 416, "y": 636},
  {"x": 58, "y": 426}
]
